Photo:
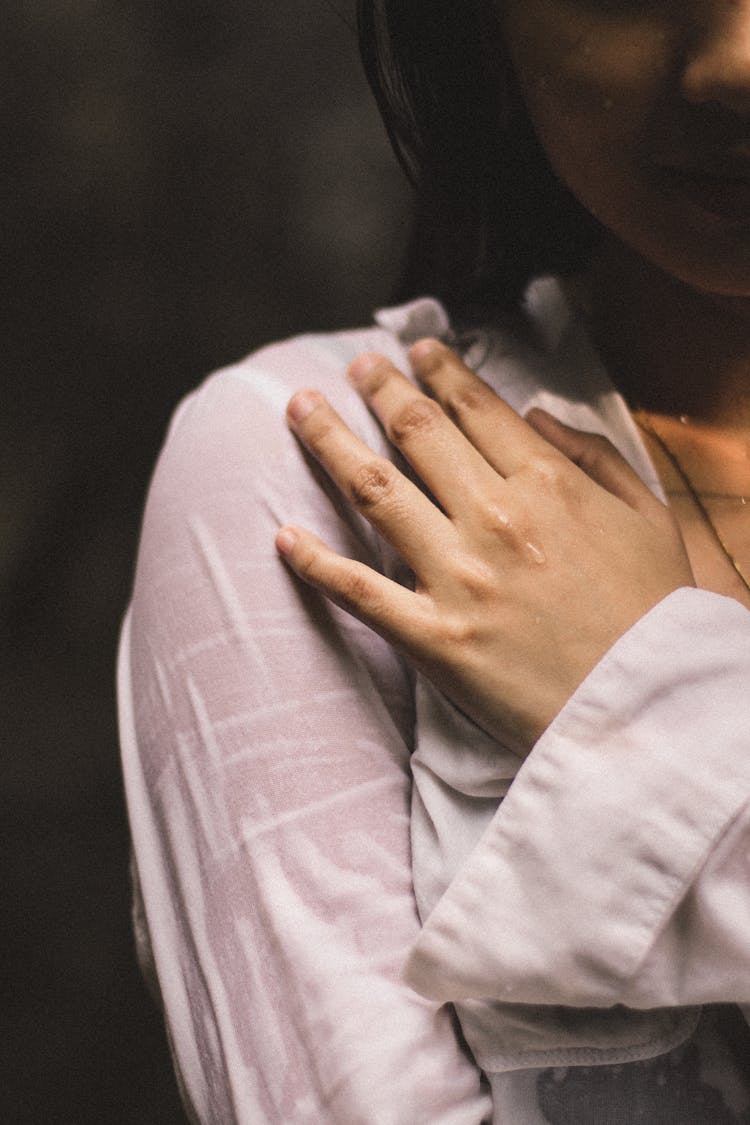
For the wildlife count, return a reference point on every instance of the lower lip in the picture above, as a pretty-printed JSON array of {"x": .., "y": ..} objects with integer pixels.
[{"x": 725, "y": 198}]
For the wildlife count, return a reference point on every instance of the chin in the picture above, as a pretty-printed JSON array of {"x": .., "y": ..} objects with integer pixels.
[
  {"x": 713, "y": 280},
  {"x": 707, "y": 259},
  {"x": 708, "y": 253}
]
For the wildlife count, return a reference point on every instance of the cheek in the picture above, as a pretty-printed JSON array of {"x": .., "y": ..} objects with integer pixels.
[
  {"x": 590, "y": 83},
  {"x": 602, "y": 89}
]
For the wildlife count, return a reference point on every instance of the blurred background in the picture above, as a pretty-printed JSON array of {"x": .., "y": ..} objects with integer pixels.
[{"x": 182, "y": 181}]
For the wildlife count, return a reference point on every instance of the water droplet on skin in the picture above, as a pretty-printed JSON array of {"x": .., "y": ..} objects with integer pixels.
[
  {"x": 502, "y": 518},
  {"x": 532, "y": 550},
  {"x": 536, "y": 553}
]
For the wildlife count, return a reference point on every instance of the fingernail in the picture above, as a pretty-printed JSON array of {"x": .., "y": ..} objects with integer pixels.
[
  {"x": 285, "y": 540},
  {"x": 537, "y": 417},
  {"x": 536, "y": 412},
  {"x": 362, "y": 366},
  {"x": 303, "y": 403},
  {"x": 423, "y": 349}
]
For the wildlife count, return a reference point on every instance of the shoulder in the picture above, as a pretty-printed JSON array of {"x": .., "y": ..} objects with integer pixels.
[
  {"x": 236, "y": 417},
  {"x": 212, "y": 604},
  {"x": 229, "y": 460}
]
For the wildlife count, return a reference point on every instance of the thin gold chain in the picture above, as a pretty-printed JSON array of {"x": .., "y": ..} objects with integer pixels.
[{"x": 646, "y": 424}]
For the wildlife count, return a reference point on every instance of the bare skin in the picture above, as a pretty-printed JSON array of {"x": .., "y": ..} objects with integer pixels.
[
  {"x": 644, "y": 110},
  {"x": 550, "y": 548}
]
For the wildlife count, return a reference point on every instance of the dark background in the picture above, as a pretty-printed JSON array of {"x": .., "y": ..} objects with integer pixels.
[{"x": 181, "y": 181}]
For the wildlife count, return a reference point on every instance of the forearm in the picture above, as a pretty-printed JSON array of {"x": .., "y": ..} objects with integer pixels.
[
  {"x": 265, "y": 747},
  {"x": 615, "y": 870}
]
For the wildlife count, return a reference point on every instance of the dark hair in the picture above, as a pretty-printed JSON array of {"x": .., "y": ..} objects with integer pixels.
[{"x": 491, "y": 214}]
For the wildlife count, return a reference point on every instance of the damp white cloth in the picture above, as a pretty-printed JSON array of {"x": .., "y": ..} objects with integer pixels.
[{"x": 281, "y": 851}]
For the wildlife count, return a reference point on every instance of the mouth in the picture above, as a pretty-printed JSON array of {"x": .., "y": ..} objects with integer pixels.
[{"x": 719, "y": 186}]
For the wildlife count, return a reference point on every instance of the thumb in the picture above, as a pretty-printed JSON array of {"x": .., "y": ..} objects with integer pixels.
[{"x": 599, "y": 459}]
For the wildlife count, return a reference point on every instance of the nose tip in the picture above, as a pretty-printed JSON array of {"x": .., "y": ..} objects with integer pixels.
[{"x": 718, "y": 64}]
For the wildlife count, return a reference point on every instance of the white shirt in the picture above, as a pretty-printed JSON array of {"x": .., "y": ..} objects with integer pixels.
[{"x": 267, "y": 739}]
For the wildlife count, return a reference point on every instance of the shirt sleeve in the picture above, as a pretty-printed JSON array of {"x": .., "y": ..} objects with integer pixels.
[
  {"x": 617, "y": 869},
  {"x": 265, "y": 741}
]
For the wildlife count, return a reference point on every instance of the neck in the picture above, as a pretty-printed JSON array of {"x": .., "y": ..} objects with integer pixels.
[{"x": 672, "y": 349}]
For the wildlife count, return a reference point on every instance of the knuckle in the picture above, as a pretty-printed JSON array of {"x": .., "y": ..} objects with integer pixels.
[
  {"x": 372, "y": 483},
  {"x": 474, "y": 578},
  {"x": 555, "y": 476},
  {"x": 355, "y": 590},
  {"x": 546, "y": 471},
  {"x": 499, "y": 521},
  {"x": 458, "y": 633},
  {"x": 417, "y": 416},
  {"x": 466, "y": 398}
]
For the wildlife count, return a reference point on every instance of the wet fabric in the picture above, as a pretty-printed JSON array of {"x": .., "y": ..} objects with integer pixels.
[{"x": 576, "y": 918}]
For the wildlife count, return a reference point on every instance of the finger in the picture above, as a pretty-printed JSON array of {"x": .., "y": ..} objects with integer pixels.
[
  {"x": 397, "y": 614},
  {"x": 599, "y": 459},
  {"x": 493, "y": 428},
  {"x": 453, "y": 470},
  {"x": 411, "y": 523}
]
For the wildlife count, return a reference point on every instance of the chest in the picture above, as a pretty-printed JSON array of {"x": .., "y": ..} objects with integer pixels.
[
  {"x": 708, "y": 490},
  {"x": 717, "y": 541}
]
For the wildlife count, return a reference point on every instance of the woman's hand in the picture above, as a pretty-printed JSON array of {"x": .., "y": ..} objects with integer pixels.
[{"x": 546, "y": 546}]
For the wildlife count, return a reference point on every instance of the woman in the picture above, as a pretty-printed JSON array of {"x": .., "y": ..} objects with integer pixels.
[{"x": 544, "y": 618}]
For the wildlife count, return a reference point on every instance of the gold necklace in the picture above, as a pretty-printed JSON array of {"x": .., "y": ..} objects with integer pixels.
[{"x": 646, "y": 424}]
